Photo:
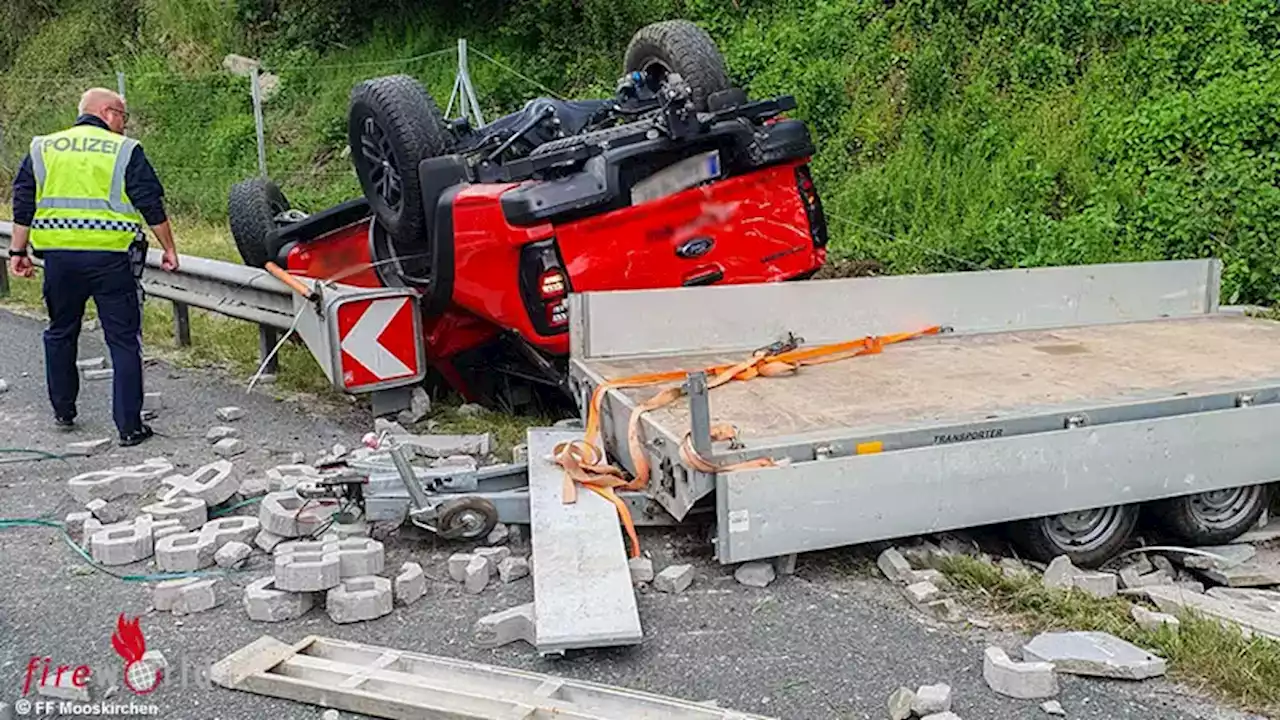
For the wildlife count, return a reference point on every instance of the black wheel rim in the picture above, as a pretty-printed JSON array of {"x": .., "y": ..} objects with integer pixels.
[
  {"x": 384, "y": 172},
  {"x": 656, "y": 70},
  {"x": 1085, "y": 530},
  {"x": 1223, "y": 509}
]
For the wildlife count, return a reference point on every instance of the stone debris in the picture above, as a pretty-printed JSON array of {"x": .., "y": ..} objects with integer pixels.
[
  {"x": 88, "y": 447},
  {"x": 1193, "y": 586},
  {"x": 98, "y": 375},
  {"x": 214, "y": 483},
  {"x": 673, "y": 579},
  {"x": 1060, "y": 574},
  {"x": 930, "y": 576},
  {"x": 284, "y": 513},
  {"x": 229, "y": 413},
  {"x": 190, "y": 512},
  {"x": 1268, "y": 529},
  {"x": 1131, "y": 574},
  {"x": 493, "y": 555},
  {"x": 440, "y": 446},
  {"x": 1160, "y": 562},
  {"x": 499, "y": 535},
  {"x": 1022, "y": 680},
  {"x": 785, "y": 564},
  {"x": 922, "y": 593},
  {"x": 107, "y": 512},
  {"x": 512, "y": 569},
  {"x": 286, "y": 477},
  {"x": 93, "y": 363},
  {"x": 900, "y": 703},
  {"x": 410, "y": 584},
  {"x": 931, "y": 699},
  {"x": 506, "y": 626},
  {"x": 229, "y": 447},
  {"x": 641, "y": 570},
  {"x": 476, "y": 575},
  {"x": 755, "y": 574},
  {"x": 390, "y": 427},
  {"x": 1094, "y": 653},
  {"x": 1252, "y": 573},
  {"x": 123, "y": 543},
  {"x": 4, "y": 386},
  {"x": 894, "y": 566},
  {"x": 186, "y": 552},
  {"x": 1152, "y": 621},
  {"x": 152, "y": 401},
  {"x": 218, "y": 433},
  {"x": 74, "y": 524},
  {"x": 419, "y": 406},
  {"x": 1251, "y": 619},
  {"x": 1231, "y": 555},
  {"x": 196, "y": 597},
  {"x": 458, "y": 563},
  {"x": 1063, "y": 575},
  {"x": 945, "y": 609},
  {"x": 232, "y": 555},
  {"x": 297, "y": 457},
  {"x": 254, "y": 486},
  {"x": 359, "y": 598},
  {"x": 117, "y": 482},
  {"x": 1053, "y": 707},
  {"x": 166, "y": 592}
]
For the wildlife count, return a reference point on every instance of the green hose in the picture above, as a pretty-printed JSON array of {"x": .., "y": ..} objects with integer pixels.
[{"x": 41, "y": 455}]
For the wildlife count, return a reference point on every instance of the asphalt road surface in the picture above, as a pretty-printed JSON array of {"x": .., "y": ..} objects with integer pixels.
[{"x": 831, "y": 641}]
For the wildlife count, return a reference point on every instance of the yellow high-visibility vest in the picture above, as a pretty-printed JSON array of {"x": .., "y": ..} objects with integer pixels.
[{"x": 80, "y": 199}]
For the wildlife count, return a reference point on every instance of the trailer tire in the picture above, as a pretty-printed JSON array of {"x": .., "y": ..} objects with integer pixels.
[
  {"x": 393, "y": 124},
  {"x": 1088, "y": 537},
  {"x": 1212, "y": 518},
  {"x": 252, "y": 208},
  {"x": 468, "y": 518},
  {"x": 679, "y": 46}
]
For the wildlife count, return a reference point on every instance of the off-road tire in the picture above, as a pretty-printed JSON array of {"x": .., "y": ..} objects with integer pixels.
[
  {"x": 684, "y": 48},
  {"x": 1036, "y": 538},
  {"x": 252, "y": 206},
  {"x": 1187, "y": 519},
  {"x": 395, "y": 118}
]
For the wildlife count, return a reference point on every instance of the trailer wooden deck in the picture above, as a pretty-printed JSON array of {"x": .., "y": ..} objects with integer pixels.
[{"x": 952, "y": 379}]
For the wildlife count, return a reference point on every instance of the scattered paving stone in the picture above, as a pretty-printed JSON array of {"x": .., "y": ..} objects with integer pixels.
[
  {"x": 166, "y": 592},
  {"x": 95, "y": 375},
  {"x": 932, "y": 699},
  {"x": 476, "y": 575},
  {"x": 894, "y": 565},
  {"x": 932, "y": 576},
  {"x": 458, "y": 563},
  {"x": 499, "y": 535},
  {"x": 221, "y": 432},
  {"x": 74, "y": 522},
  {"x": 1053, "y": 707},
  {"x": 755, "y": 574},
  {"x": 108, "y": 513},
  {"x": 506, "y": 626},
  {"x": 900, "y": 703},
  {"x": 1025, "y": 680},
  {"x": 228, "y": 447},
  {"x": 232, "y": 555},
  {"x": 512, "y": 569},
  {"x": 410, "y": 584},
  {"x": 471, "y": 410},
  {"x": 493, "y": 555},
  {"x": 267, "y": 540},
  {"x": 674, "y": 579},
  {"x": 359, "y": 598},
  {"x": 229, "y": 414},
  {"x": 1152, "y": 621},
  {"x": 265, "y": 603},
  {"x": 196, "y": 597},
  {"x": 1194, "y": 586},
  {"x": 641, "y": 569},
  {"x": 297, "y": 458},
  {"x": 1094, "y": 653},
  {"x": 88, "y": 447},
  {"x": 93, "y": 363}
]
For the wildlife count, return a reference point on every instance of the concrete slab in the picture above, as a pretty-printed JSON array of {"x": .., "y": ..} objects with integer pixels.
[
  {"x": 1174, "y": 600},
  {"x": 583, "y": 595},
  {"x": 1264, "y": 534},
  {"x": 1253, "y": 573},
  {"x": 1094, "y": 653},
  {"x": 1267, "y": 601},
  {"x": 1231, "y": 555}
]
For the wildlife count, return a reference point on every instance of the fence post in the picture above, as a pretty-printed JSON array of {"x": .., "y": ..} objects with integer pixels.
[
  {"x": 120, "y": 83},
  {"x": 182, "y": 324},
  {"x": 256, "y": 88}
]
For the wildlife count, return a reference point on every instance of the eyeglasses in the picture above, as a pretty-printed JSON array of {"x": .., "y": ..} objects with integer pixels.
[{"x": 123, "y": 114}]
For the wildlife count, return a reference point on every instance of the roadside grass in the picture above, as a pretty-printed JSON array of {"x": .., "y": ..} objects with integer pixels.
[
  {"x": 1203, "y": 653},
  {"x": 508, "y": 430}
]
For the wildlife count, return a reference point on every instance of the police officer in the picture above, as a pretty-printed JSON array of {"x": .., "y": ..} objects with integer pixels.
[{"x": 79, "y": 201}]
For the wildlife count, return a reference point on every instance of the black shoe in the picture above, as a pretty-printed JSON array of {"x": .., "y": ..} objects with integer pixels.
[
  {"x": 64, "y": 423},
  {"x": 137, "y": 437}
]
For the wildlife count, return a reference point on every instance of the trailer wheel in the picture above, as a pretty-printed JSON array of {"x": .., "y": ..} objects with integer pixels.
[
  {"x": 468, "y": 518},
  {"x": 393, "y": 124},
  {"x": 253, "y": 207},
  {"x": 1088, "y": 537},
  {"x": 679, "y": 46},
  {"x": 1212, "y": 518}
]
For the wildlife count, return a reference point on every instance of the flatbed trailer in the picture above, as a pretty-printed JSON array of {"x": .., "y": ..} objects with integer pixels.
[{"x": 1061, "y": 397}]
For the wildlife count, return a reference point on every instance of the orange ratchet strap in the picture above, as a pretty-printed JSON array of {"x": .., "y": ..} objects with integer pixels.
[{"x": 584, "y": 462}]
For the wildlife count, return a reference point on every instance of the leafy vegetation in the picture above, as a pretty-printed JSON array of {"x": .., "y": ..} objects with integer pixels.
[{"x": 953, "y": 134}]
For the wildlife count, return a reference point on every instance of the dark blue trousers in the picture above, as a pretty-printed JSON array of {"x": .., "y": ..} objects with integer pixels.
[{"x": 71, "y": 277}]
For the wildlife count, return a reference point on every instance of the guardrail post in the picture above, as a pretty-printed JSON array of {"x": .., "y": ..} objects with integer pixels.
[
  {"x": 182, "y": 324},
  {"x": 4, "y": 283},
  {"x": 267, "y": 339}
]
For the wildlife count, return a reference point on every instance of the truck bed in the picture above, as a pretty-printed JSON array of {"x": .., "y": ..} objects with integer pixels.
[{"x": 953, "y": 379}]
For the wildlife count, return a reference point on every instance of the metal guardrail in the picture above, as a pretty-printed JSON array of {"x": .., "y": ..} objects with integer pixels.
[{"x": 236, "y": 291}]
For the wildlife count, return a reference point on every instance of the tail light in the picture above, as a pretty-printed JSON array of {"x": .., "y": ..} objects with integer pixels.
[
  {"x": 544, "y": 287},
  {"x": 812, "y": 206}
]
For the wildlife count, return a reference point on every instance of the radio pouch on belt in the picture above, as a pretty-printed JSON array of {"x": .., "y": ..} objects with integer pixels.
[{"x": 138, "y": 263}]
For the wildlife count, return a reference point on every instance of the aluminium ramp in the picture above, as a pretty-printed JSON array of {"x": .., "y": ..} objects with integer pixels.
[{"x": 582, "y": 590}]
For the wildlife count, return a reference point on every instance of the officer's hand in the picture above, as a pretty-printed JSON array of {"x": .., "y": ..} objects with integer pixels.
[
  {"x": 169, "y": 261},
  {"x": 21, "y": 266}
]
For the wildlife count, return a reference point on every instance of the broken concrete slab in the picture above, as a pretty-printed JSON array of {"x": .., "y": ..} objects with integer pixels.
[
  {"x": 88, "y": 447},
  {"x": 946, "y": 609},
  {"x": 512, "y": 569},
  {"x": 1152, "y": 621},
  {"x": 1060, "y": 574},
  {"x": 410, "y": 584},
  {"x": 440, "y": 446},
  {"x": 63, "y": 686},
  {"x": 229, "y": 447},
  {"x": 476, "y": 575},
  {"x": 755, "y": 574},
  {"x": 1249, "y": 574},
  {"x": 641, "y": 569},
  {"x": 900, "y": 703},
  {"x": 254, "y": 486},
  {"x": 922, "y": 593},
  {"x": 229, "y": 413},
  {"x": 1261, "y": 600},
  {"x": 673, "y": 579},
  {"x": 894, "y": 566},
  {"x": 419, "y": 406},
  {"x": 1175, "y": 600},
  {"x": 932, "y": 699},
  {"x": 1097, "y": 584},
  {"x": 359, "y": 598},
  {"x": 1227, "y": 556},
  {"x": 190, "y": 512},
  {"x": 936, "y": 577},
  {"x": 506, "y": 626},
  {"x": 196, "y": 597},
  {"x": 214, "y": 483},
  {"x": 1096, "y": 654},
  {"x": 1022, "y": 680},
  {"x": 232, "y": 555},
  {"x": 264, "y": 602},
  {"x": 1268, "y": 532}
]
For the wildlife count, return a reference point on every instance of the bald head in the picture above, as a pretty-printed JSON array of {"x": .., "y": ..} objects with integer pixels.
[{"x": 106, "y": 105}]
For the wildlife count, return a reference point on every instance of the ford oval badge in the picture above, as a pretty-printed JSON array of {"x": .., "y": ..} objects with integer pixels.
[{"x": 696, "y": 247}]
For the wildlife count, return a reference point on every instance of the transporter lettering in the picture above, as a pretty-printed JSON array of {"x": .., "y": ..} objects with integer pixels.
[{"x": 987, "y": 434}]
